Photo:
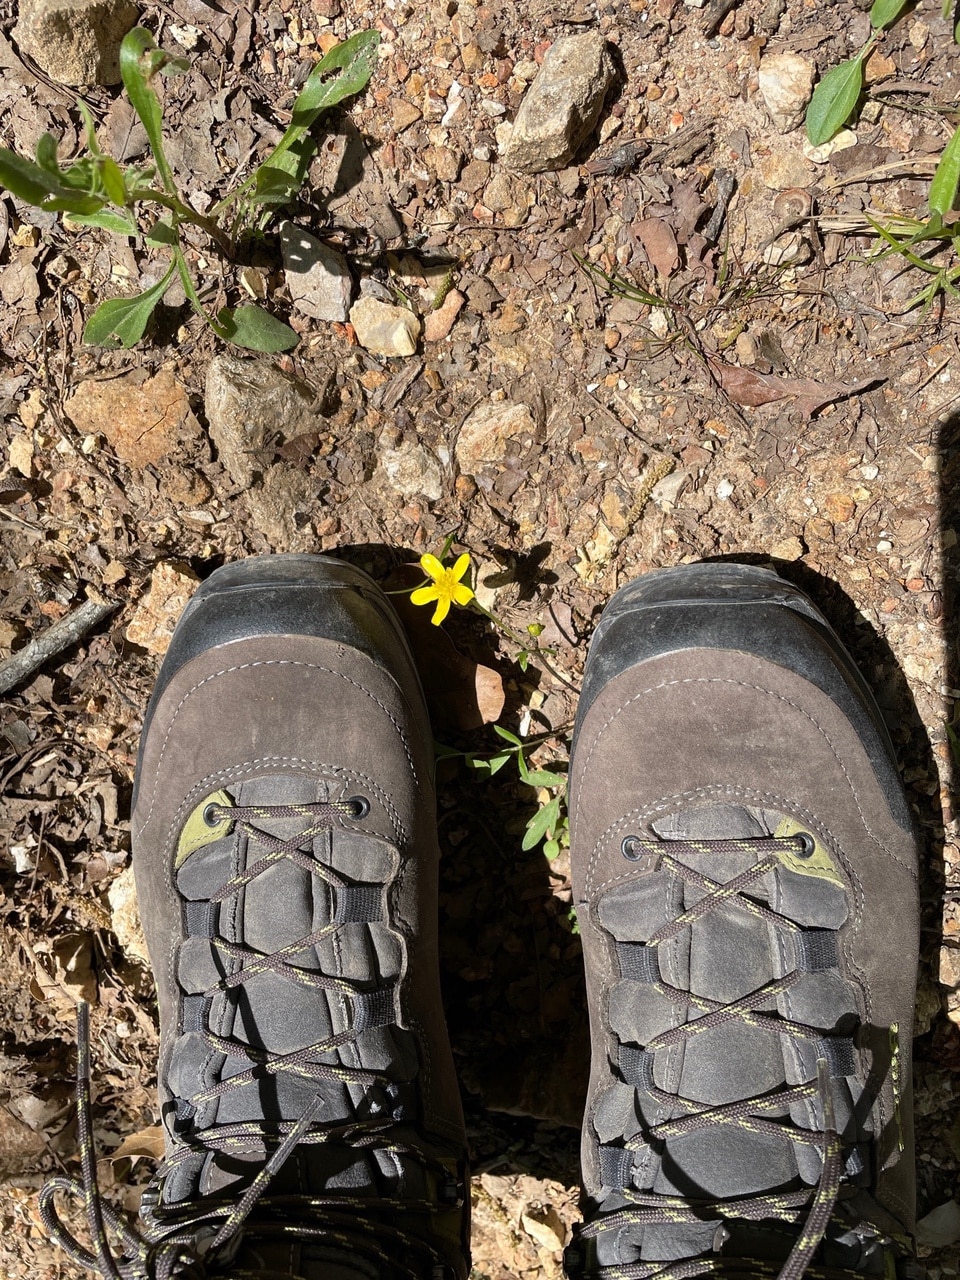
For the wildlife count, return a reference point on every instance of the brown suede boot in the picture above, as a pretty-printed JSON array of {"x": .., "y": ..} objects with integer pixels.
[
  {"x": 285, "y": 851},
  {"x": 744, "y": 867}
]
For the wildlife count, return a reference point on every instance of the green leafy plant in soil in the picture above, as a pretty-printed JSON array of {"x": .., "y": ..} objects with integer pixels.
[
  {"x": 940, "y": 230},
  {"x": 95, "y": 191},
  {"x": 443, "y": 588}
]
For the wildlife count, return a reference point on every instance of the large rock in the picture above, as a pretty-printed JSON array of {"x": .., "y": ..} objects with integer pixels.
[
  {"x": 76, "y": 42},
  {"x": 317, "y": 276},
  {"x": 250, "y": 405},
  {"x": 786, "y": 86},
  {"x": 562, "y": 105}
]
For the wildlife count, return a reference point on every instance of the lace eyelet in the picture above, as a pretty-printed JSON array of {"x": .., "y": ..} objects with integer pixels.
[
  {"x": 211, "y": 814},
  {"x": 361, "y": 807},
  {"x": 630, "y": 848},
  {"x": 808, "y": 846}
]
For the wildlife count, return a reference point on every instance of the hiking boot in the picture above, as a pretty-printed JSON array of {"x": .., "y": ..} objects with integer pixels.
[
  {"x": 285, "y": 850},
  {"x": 745, "y": 878}
]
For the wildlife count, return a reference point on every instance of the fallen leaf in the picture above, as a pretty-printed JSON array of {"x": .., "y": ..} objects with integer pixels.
[
  {"x": 746, "y": 387},
  {"x": 148, "y": 1143},
  {"x": 659, "y": 244}
]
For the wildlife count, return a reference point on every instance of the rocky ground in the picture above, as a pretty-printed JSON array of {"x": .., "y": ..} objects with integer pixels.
[{"x": 783, "y": 408}]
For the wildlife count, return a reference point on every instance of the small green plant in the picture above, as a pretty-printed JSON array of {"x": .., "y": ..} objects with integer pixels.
[
  {"x": 445, "y": 587},
  {"x": 941, "y": 230},
  {"x": 94, "y": 191},
  {"x": 836, "y": 96},
  {"x": 549, "y": 824}
]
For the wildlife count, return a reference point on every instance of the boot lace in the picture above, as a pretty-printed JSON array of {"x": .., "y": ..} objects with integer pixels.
[
  {"x": 198, "y": 1238},
  {"x": 812, "y": 1208}
]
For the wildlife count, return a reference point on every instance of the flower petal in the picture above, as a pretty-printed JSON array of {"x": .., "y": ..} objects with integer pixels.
[
  {"x": 441, "y": 611},
  {"x": 462, "y": 594},
  {"x": 432, "y": 567},
  {"x": 460, "y": 567},
  {"x": 424, "y": 595}
]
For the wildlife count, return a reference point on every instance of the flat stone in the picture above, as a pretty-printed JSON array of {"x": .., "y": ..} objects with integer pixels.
[
  {"x": 283, "y": 507},
  {"x": 171, "y": 586},
  {"x": 249, "y": 403},
  {"x": 411, "y": 471},
  {"x": 76, "y": 42},
  {"x": 484, "y": 435},
  {"x": 140, "y": 417},
  {"x": 786, "y": 85},
  {"x": 317, "y": 276},
  {"x": 562, "y": 106},
  {"x": 383, "y": 329},
  {"x": 781, "y": 171}
]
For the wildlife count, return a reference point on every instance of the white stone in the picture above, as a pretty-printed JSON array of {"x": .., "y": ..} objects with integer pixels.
[
  {"x": 786, "y": 85},
  {"x": 839, "y": 142},
  {"x": 383, "y": 329},
  {"x": 412, "y": 472},
  {"x": 317, "y": 276}
]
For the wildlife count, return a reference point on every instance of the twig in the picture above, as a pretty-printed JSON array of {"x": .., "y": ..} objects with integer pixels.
[{"x": 54, "y": 640}]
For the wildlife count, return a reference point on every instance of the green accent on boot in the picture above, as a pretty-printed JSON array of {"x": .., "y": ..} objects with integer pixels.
[
  {"x": 818, "y": 864},
  {"x": 197, "y": 831}
]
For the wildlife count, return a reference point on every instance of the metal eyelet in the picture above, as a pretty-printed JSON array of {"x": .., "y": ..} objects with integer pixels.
[
  {"x": 211, "y": 814},
  {"x": 630, "y": 848},
  {"x": 361, "y": 807},
  {"x": 808, "y": 845}
]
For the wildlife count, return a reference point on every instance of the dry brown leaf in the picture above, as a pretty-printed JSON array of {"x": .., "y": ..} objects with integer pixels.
[
  {"x": 659, "y": 244},
  {"x": 147, "y": 1142},
  {"x": 751, "y": 389}
]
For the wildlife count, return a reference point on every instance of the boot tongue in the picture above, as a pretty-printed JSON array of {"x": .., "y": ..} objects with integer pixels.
[{"x": 716, "y": 822}]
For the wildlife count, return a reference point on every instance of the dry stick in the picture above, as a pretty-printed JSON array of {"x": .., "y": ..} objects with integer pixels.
[{"x": 53, "y": 641}]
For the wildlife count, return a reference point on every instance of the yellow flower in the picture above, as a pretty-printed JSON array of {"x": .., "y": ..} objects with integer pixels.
[{"x": 446, "y": 588}]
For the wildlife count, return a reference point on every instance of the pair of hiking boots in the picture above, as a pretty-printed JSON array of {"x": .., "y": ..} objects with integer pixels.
[{"x": 745, "y": 880}]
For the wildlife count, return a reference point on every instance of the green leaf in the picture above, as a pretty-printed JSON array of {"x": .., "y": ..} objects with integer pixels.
[
  {"x": 355, "y": 59},
  {"x": 93, "y": 145},
  {"x": 884, "y": 12},
  {"x": 542, "y": 822},
  {"x": 551, "y": 849},
  {"x": 507, "y": 735},
  {"x": 343, "y": 71},
  {"x": 25, "y": 179},
  {"x": 123, "y": 320},
  {"x": 946, "y": 180},
  {"x": 47, "y": 158},
  {"x": 274, "y": 185},
  {"x": 120, "y": 222},
  {"x": 255, "y": 329},
  {"x": 523, "y": 659},
  {"x": 162, "y": 232},
  {"x": 544, "y": 778},
  {"x": 834, "y": 100},
  {"x": 111, "y": 175},
  {"x": 140, "y": 60}
]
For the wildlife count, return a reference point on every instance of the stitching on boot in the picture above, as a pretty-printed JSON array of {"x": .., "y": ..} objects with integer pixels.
[{"x": 272, "y": 662}]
